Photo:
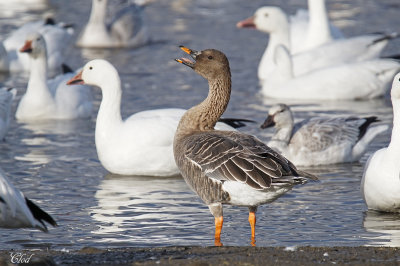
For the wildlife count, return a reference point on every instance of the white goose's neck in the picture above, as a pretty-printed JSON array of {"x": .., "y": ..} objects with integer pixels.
[
  {"x": 37, "y": 84},
  {"x": 283, "y": 134},
  {"x": 394, "y": 146},
  {"x": 280, "y": 140},
  {"x": 267, "y": 64},
  {"x": 95, "y": 32},
  {"x": 110, "y": 107},
  {"x": 98, "y": 12},
  {"x": 109, "y": 117},
  {"x": 318, "y": 28}
]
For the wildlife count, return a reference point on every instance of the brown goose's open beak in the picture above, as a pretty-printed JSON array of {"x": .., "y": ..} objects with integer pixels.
[
  {"x": 186, "y": 61},
  {"x": 269, "y": 122},
  {"x": 76, "y": 80},
  {"x": 27, "y": 48},
  {"x": 247, "y": 23}
]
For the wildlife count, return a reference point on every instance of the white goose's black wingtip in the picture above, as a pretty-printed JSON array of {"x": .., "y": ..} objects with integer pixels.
[
  {"x": 40, "y": 215},
  {"x": 236, "y": 122}
]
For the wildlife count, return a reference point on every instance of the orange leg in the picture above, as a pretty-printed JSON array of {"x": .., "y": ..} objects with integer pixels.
[
  {"x": 252, "y": 221},
  {"x": 218, "y": 227}
]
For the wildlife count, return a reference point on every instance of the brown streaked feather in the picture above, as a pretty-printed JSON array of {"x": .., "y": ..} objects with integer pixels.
[
  {"x": 226, "y": 172},
  {"x": 252, "y": 184},
  {"x": 235, "y": 172},
  {"x": 238, "y": 157},
  {"x": 243, "y": 163},
  {"x": 259, "y": 164},
  {"x": 258, "y": 177}
]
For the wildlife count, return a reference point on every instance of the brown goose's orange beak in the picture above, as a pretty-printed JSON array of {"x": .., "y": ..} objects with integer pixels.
[
  {"x": 185, "y": 49},
  {"x": 76, "y": 80},
  {"x": 186, "y": 61},
  {"x": 27, "y": 48}
]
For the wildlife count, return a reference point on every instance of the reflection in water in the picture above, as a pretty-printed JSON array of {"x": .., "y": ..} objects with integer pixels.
[
  {"x": 48, "y": 138},
  {"x": 387, "y": 225},
  {"x": 147, "y": 210},
  {"x": 63, "y": 127},
  {"x": 10, "y": 8}
]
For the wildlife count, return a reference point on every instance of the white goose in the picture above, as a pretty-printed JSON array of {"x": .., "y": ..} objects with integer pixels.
[
  {"x": 311, "y": 29},
  {"x": 17, "y": 211},
  {"x": 125, "y": 30},
  {"x": 6, "y": 99},
  {"x": 380, "y": 184},
  {"x": 274, "y": 21},
  {"x": 356, "y": 81},
  {"x": 57, "y": 37},
  {"x": 50, "y": 99},
  {"x": 319, "y": 141},
  {"x": 138, "y": 145}
]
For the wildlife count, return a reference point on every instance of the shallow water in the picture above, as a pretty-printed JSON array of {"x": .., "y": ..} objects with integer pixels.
[{"x": 55, "y": 163}]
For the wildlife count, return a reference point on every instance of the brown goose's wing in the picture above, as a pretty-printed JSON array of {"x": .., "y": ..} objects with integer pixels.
[{"x": 243, "y": 158}]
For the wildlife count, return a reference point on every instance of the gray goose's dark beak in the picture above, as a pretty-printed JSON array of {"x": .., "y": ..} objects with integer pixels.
[
  {"x": 269, "y": 122},
  {"x": 186, "y": 61}
]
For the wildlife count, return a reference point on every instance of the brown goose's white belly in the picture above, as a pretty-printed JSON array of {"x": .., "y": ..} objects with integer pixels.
[{"x": 244, "y": 195}]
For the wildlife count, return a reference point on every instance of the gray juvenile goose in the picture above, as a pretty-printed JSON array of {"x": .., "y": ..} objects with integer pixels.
[{"x": 225, "y": 167}]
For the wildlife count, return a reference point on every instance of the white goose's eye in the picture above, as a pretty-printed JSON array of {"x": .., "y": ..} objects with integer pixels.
[{"x": 90, "y": 68}]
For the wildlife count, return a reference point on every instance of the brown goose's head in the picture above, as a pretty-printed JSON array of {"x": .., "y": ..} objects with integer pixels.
[{"x": 209, "y": 63}]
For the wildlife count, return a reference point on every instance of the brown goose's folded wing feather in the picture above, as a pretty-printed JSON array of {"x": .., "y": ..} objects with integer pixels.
[{"x": 239, "y": 157}]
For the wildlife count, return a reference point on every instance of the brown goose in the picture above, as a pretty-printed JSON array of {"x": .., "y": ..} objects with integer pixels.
[{"x": 225, "y": 167}]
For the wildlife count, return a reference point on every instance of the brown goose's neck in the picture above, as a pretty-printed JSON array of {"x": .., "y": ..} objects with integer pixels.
[{"x": 205, "y": 115}]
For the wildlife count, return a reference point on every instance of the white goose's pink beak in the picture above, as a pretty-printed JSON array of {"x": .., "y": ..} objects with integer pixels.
[
  {"x": 76, "y": 80},
  {"x": 247, "y": 23},
  {"x": 27, "y": 48}
]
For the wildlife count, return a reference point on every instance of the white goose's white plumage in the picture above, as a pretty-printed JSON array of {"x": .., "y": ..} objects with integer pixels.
[
  {"x": 274, "y": 21},
  {"x": 17, "y": 211},
  {"x": 50, "y": 99},
  {"x": 125, "y": 30},
  {"x": 380, "y": 184},
  {"x": 311, "y": 29},
  {"x": 319, "y": 141},
  {"x": 356, "y": 81},
  {"x": 57, "y": 37},
  {"x": 138, "y": 145},
  {"x": 6, "y": 99}
]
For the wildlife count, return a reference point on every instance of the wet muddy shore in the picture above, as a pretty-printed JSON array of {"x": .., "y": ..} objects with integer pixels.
[{"x": 207, "y": 256}]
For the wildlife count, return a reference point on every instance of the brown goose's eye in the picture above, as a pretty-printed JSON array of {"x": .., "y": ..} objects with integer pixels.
[{"x": 210, "y": 57}]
